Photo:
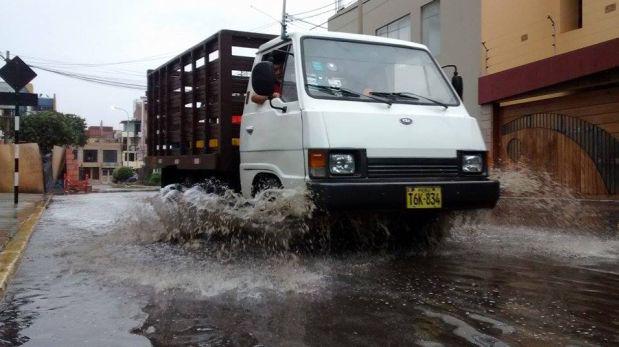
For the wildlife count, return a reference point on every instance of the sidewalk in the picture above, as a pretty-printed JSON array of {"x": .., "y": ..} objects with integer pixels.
[{"x": 11, "y": 218}]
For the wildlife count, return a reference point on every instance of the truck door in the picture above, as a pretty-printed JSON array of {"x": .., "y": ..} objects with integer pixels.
[{"x": 271, "y": 139}]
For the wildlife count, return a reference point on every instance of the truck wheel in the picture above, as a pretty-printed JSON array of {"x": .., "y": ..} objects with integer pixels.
[{"x": 264, "y": 182}]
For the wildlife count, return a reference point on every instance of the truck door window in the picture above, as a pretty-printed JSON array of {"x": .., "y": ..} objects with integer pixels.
[{"x": 289, "y": 84}]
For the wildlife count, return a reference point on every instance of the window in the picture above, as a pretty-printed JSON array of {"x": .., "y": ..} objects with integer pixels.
[
  {"x": 289, "y": 84},
  {"x": 109, "y": 156},
  {"x": 90, "y": 156},
  {"x": 281, "y": 58},
  {"x": 362, "y": 68},
  {"x": 131, "y": 156},
  {"x": 571, "y": 15},
  {"x": 431, "y": 26},
  {"x": 92, "y": 172},
  {"x": 399, "y": 29}
]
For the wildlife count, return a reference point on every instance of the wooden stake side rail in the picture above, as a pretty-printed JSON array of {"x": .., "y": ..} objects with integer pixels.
[{"x": 192, "y": 100}]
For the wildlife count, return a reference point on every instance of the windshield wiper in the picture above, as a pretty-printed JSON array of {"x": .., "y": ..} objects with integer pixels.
[
  {"x": 348, "y": 91},
  {"x": 413, "y": 96}
]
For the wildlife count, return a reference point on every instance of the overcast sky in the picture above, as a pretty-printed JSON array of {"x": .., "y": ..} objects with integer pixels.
[{"x": 55, "y": 33}]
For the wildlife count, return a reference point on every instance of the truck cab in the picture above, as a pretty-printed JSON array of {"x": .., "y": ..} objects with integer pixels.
[{"x": 361, "y": 121}]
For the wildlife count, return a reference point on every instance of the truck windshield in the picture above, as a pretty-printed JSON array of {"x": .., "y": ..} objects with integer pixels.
[{"x": 381, "y": 70}]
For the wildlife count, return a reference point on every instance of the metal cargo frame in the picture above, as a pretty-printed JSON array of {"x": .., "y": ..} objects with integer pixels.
[{"x": 192, "y": 100}]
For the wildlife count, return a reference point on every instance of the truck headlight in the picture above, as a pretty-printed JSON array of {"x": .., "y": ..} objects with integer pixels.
[
  {"x": 342, "y": 164},
  {"x": 472, "y": 163}
]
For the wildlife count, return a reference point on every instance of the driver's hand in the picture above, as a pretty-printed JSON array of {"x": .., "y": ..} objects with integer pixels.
[{"x": 276, "y": 95}]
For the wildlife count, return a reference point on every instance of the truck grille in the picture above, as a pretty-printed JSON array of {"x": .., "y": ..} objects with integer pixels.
[{"x": 412, "y": 167}]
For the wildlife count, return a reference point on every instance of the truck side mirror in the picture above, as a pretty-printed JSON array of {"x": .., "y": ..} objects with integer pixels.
[
  {"x": 456, "y": 81},
  {"x": 263, "y": 78}
]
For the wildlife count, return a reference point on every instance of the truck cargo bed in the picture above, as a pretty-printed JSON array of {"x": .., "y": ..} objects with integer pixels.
[{"x": 195, "y": 103}]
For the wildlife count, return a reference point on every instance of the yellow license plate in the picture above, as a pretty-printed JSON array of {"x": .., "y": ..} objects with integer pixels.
[{"x": 424, "y": 197}]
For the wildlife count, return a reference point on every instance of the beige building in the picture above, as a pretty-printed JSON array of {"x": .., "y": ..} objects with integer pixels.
[
  {"x": 132, "y": 139},
  {"x": 100, "y": 156},
  {"x": 541, "y": 77},
  {"x": 551, "y": 75}
]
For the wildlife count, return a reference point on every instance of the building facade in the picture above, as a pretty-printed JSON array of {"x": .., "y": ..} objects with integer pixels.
[
  {"x": 45, "y": 103},
  {"x": 7, "y": 113},
  {"x": 140, "y": 113},
  {"x": 541, "y": 77},
  {"x": 551, "y": 76},
  {"x": 100, "y": 156},
  {"x": 132, "y": 154}
]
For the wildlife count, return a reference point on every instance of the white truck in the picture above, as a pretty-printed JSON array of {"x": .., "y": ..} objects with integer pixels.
[{"x": 361, "y": 121}]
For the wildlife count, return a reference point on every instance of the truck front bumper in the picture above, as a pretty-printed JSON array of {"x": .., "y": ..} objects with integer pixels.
[{"x": 391, "y": 195}]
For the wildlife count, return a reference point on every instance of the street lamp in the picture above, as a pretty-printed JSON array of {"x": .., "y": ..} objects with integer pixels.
[{"x": 116, "y": 108}]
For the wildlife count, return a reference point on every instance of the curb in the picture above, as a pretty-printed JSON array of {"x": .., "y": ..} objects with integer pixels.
[{"x": 10, "y": 256}]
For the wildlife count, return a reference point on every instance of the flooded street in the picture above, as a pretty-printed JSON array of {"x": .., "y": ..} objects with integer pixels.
[{"x": 100, "y": 270}]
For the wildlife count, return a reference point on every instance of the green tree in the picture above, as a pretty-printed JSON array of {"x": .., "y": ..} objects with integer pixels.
[
  {"x": 78, "y": 126},
  {"x": 122, "y": 173},
  {"x": 50, "y": 129}
]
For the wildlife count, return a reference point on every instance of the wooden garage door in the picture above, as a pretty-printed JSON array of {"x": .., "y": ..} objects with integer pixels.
[{"x": 575, "y": 138}]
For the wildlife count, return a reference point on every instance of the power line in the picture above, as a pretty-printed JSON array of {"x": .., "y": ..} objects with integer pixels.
[
  {"x": 93, "y": 79},
  {"x": 37, "y": 60},
  {"x": 264, "y": 26},
  {"x": 319, "y": 25},
  {"x": 314, "y": 15},
  {"x": 310, "y": 23},
  {"x": 332, "y": 3},
  {"x": 140, "y": 60},
  {"x": 266, "y": 14},
  {"x": 113, "y": 77}
]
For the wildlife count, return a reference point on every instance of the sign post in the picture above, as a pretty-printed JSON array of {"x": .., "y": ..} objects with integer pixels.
[{"x": 17, "y": 74}]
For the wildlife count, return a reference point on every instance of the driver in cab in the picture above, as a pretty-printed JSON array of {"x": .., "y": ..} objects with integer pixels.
[{"x": 278, "y": 69}]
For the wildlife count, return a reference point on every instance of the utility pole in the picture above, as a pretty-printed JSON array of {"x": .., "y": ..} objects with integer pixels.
[
  {"x": 360, "y": 16},
  {"x": 284, "y": 34},
  {"x": 16, "y": 179}
]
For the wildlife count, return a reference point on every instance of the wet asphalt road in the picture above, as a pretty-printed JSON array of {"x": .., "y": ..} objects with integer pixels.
[{"x": 510, "y": 277}]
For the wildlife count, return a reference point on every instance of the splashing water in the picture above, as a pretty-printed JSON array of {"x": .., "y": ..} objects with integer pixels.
[
  {"x": 210, "y": 216},
  {"x": 534, "y": 214},
  {"x": 538, "y": 215}
]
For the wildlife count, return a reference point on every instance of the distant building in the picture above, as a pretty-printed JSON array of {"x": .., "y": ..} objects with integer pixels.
[
  {"x": 8, "y": 111},
  {"x": 140, "y": 113},
  {"x": 101, "y": 154},
  {"x": 132, "y": 155},
  {"x": 101, "y": 132},
  {"x": 45, "y": 103}
]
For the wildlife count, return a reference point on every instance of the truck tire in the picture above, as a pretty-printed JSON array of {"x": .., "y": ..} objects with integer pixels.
[{"x": 264, "y": 182}]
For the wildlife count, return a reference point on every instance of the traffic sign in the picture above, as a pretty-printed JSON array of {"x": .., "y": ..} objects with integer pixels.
[
  {"x": 25, "y": 99},
  {"x": 17, "y": 73}
]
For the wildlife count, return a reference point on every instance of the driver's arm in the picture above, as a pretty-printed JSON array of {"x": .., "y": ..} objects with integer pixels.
[{"x": 260, "y": 99}]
